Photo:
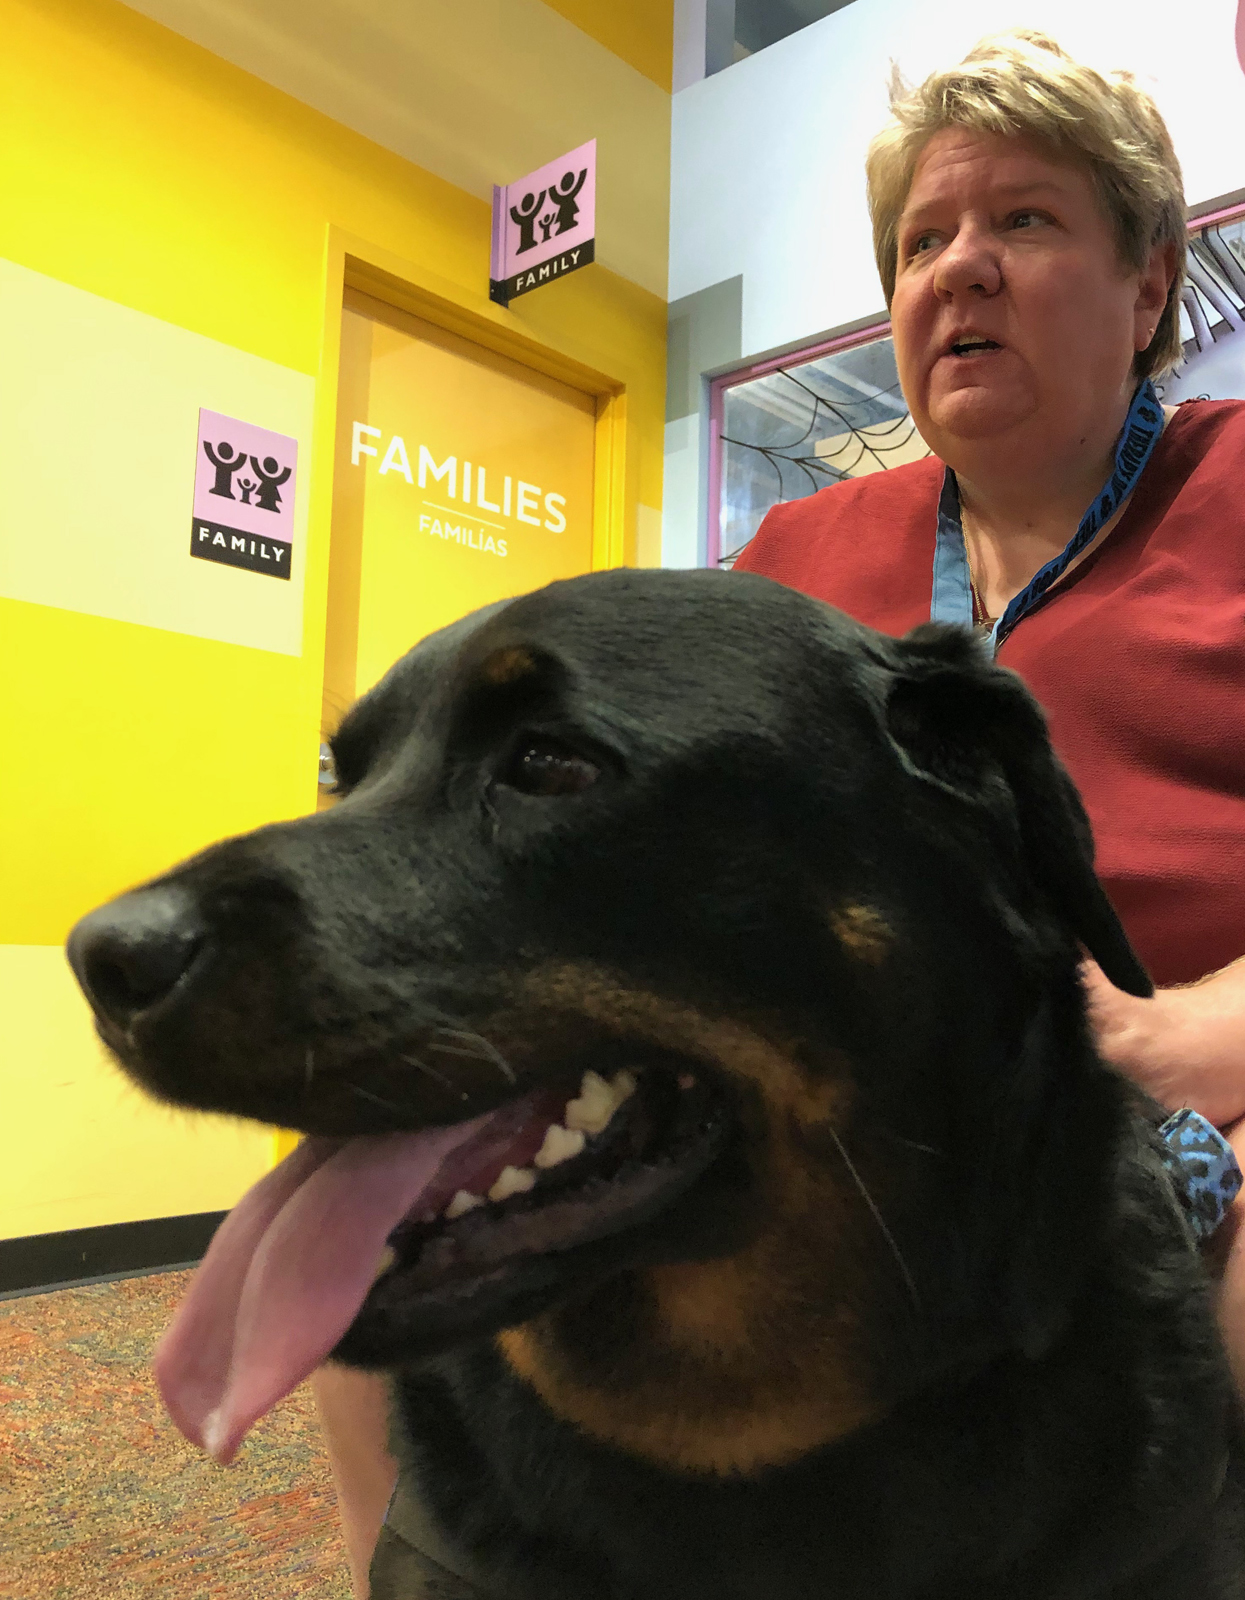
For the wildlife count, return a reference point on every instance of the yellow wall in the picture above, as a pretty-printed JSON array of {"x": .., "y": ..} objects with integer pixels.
[
  {"x": 476, "y": 91},
  {"x": 81, "y": 1145},
  {"x": 640, "y": 31},
  {"x": 128, "y": 746}
]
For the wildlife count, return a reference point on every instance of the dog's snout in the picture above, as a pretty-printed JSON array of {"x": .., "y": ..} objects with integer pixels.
[{"x": 129, "y": 955}]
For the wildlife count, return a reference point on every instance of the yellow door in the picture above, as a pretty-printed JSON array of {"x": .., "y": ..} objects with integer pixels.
[{"x": 461, "y": 477}]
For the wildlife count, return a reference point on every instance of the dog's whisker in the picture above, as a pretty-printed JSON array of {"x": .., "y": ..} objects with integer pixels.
[
  {"x": 483, "y": 1051},
  {"x": 309, "y": 1067},
  {"x": 367, "y": 1094},
  {"x": 881, "y": 1222},
  {"x": 914, "y": 1144},
  {"x": 437, "y": 1077}
]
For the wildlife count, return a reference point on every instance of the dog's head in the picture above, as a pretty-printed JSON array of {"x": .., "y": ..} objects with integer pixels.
[{"x": 731, "y": 945}]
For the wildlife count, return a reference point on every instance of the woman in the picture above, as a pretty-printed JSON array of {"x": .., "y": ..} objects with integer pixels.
[{"x": 1029, "y": 230}]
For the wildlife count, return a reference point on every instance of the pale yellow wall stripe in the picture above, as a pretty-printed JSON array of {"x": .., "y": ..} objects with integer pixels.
[{"x": 82, "y": 1145}]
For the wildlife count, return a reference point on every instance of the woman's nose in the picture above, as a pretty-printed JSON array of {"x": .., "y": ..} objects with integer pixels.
[{"x": 968, "y": 264}]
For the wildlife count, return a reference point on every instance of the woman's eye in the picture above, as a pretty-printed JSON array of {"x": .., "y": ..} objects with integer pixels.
[
  {"x": 1026, "y": 219},
  {"x": 328, "y": 768},
  {"x": 920, "y": 245},
  {"x": 540, "y": 767}
]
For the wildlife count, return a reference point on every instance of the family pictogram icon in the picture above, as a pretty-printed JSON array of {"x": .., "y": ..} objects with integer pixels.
[
  {"x": 269, "y": 473},
  {"x": 528, "y": 215}
]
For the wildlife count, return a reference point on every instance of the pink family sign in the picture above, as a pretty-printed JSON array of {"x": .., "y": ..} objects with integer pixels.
[
  {"x": 544, "y": 226},
  {"x": 244, "y": 495}
]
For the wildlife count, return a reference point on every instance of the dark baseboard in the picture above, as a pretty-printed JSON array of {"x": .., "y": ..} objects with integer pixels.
[{"x": 120, "y": 1250}]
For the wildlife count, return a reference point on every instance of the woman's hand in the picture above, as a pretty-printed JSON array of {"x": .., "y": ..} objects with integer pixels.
[{"x": 1185, "y": 1047}]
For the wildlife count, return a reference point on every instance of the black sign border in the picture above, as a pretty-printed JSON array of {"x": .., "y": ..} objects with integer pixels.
[
  {"x": 243, "y": 559},
  {"x": 504, "y": 290}
]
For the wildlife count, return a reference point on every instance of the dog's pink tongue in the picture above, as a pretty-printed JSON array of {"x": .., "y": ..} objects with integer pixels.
[{"x": 285, "y": 1276}]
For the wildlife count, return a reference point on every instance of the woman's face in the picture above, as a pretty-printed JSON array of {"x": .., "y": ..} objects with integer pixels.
[{"x": 1011, "y": 308}]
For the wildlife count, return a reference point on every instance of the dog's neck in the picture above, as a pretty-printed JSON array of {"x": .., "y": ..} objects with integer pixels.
[
  {"x": 729, "y": 1366},
  {"x": 704, "y": 1400}
]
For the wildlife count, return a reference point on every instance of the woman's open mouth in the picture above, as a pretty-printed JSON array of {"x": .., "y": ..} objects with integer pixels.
[{"x": 963, "y": 348}]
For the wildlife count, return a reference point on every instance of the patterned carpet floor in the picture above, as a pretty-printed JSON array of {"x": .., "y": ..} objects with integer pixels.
[{"x": 100, "y": 1496}]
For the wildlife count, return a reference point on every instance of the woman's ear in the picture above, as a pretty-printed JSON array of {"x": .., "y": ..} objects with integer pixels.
[
  {"x": 971, "y": 727},
  {"x": 1153, "y": 292}
]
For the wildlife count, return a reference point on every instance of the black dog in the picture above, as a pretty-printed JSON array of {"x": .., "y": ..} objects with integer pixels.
[{"x": 849, "y": 1270}]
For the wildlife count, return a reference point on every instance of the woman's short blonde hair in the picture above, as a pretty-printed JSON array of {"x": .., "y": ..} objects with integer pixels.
[{"x": 1022, "y": 84}]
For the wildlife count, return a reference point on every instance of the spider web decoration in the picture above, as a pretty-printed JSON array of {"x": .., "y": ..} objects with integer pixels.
[{"x": 805, "y": 426}]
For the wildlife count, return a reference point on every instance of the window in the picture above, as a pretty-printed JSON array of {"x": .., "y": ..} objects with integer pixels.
[
  {"x": 736, "y": 29},
  {"x": 1212, "y": 317},
  {"x": 785, "y": 429}
]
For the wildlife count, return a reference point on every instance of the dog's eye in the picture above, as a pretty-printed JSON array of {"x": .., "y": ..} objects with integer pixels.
[{"x": 541, "y": 767}]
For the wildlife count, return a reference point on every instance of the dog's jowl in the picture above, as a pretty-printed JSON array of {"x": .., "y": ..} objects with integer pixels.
[{"x": 681, "y": 1003}]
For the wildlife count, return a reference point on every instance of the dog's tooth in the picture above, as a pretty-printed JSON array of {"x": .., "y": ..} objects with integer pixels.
[
  {"x": 561, "y": 1144},
  {"x": 623, "y": 1085},
  {"x": 462, "y": 1202},
  {"x": 594, "y": 1107},
  {"x": 512, "y": 1180},
  {"x": 387, "y": 1258},
  {"x": 598, "y": 1101}
]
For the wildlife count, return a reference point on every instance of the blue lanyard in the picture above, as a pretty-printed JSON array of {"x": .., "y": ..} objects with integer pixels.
[{"x": 951, "y": 599}]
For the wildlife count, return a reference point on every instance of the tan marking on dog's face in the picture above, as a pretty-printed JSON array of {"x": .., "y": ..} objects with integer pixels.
[
  {"x": 752, "y": 1360},
  {"x": 722, "y": 1041},
  {"x": 743, "y": 1432},
  {"x": 509, "y": 665},
  {"x": 863, "y": 932}
]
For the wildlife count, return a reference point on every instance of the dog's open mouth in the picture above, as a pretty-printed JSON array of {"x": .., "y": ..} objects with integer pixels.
[
  {"x": 431, "y": 1229},
  {"x": 562, "y": 1172}
]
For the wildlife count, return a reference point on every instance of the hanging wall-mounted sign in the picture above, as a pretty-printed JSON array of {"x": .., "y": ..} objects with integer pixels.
[
  {"x": 544, "y": 226},
  {"x": 244, "y": 496}
]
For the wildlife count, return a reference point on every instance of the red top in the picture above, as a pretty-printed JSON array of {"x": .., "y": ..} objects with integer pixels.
[{"x": 1138, "y": 657}]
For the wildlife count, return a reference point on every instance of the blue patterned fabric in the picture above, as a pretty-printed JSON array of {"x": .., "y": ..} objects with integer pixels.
[{"x": 1203, "y": 1169}]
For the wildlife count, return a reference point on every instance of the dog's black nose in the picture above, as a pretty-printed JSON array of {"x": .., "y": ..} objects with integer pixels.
[{"x": 129, "y": 954}]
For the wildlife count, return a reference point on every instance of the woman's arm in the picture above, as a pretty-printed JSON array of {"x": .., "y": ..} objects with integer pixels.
[
  {"x": 354, "y": 1410},
  {"x": 1185, "y": 1047}
]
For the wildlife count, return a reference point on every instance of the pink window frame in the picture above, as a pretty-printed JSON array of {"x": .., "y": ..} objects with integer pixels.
[{"x": 1212, "y": 219}]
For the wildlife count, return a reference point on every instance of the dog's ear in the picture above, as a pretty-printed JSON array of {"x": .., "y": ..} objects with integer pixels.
[
  {"x": 969, "y": 727},
  {"x": 974, "y": 732}
]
